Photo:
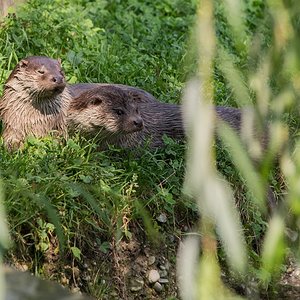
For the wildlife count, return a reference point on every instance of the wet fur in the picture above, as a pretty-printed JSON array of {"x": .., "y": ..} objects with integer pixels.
[
  {"x": 34, "y": 103},
  {"x": 94, "y": 114}
]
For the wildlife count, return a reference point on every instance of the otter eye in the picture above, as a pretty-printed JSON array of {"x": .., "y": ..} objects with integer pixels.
[
  {"x": 119, "y": 112},
  {"x": 41, "y": 71}
]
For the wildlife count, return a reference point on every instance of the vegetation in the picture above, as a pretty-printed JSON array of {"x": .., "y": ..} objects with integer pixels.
[{"x": 69, "y": 205}]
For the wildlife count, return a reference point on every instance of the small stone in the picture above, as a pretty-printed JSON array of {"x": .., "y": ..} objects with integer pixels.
[
  {"x": 163, "y": 273},
  {"x": 162, "y": 267},
  {"x": 151, "y": 260},
  {"x": 23, "y": 267},
  {"x": 157, "y": 287},
  {"x": 85, "y": 266},
  {"x": 87, "y": 278},
  {"x": 153, "y": 276},
  {"x": 163, "y": 280},
  {"x": 75, "y": 289},
  {"x": 171, "y": 238},
  {"x": 136, "y": 284},
  {"x": 94, "y": 263},
  {"x": 162, "y": 218},
  {"x": 64, "y": 280}
]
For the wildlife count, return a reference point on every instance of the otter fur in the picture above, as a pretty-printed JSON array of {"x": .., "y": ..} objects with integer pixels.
[
  {"x": 107, "y": 114},
  {"x": 159, "y": 118},
  {"x": 34, "y": 101}
]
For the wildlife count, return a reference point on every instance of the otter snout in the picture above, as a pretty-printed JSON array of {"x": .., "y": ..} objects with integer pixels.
[
  {"x": 58, "y": 79},
  {"x": 138, "y": 123}
]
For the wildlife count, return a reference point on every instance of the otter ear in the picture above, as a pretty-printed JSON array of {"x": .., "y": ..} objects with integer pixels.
[
  {"x": 23, "y": 63},
  {"x": 95, "y": 100}
]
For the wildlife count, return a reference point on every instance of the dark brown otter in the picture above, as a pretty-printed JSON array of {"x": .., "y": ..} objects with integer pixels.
[
  {"x": 139, "y": 94},
  {"x": 34, "y": 100},
  {"x": 159, "y": 118},
  {"x": 107, "y": 114}
]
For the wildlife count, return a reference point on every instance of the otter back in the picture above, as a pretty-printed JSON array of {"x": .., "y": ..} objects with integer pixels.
[
  {"x": 34, "y": 100},
  {"x": 139, "y": 94}
]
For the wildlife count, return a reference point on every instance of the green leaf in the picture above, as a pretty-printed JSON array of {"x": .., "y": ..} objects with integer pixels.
[{"x": 76, "y": 252}]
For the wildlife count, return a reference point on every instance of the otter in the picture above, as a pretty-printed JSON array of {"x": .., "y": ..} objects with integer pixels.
[
  {"x": 34, "y": 101},
  {"x": 77, "y": 89},
  {"x": 107, "y": 114},
  {"x": 92, "y": 112}
]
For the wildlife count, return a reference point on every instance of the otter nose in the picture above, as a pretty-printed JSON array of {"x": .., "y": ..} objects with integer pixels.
[
  {"x": 138, "y": 122},
  {"x": 58, "y": 79}
]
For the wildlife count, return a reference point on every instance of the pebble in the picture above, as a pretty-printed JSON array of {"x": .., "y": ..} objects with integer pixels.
[
  {"x": 86, "y": 278},
  {"x": 163, "y": 280},
  {"x": 151, "y": 260},
  {"x": 171, "y": 238},
  {"x": 162, "y": 218},
  {"x": 153, "y": 276},
  {"x": 136, "y": 284},
  {"x": 167, "y": 265},
  {"x": 157, "y": 287},
  {"x": 23, "y": 267},
  {"x": 162, "y": 267},
  {"x": 163, "y": 273}
]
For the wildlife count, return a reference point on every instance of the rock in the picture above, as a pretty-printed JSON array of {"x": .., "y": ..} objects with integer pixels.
[
  {"x": 171, "y": 238},
  {"x": 157, "y": 287},
  {"x": 153, "y": 276},
  {"x": 162, "y": 218},
  {"x": 86, "y": 278},
  {"x": 167, "y": 265},
  {"x": 163, "y": 273},
  {"x": 151, "y": 260},
  {"x": 136, "y": 284},
  {"x": 85, "y": 266},
  {"x": 22, "y": 285},
  {"x": 163, "y": 280}
]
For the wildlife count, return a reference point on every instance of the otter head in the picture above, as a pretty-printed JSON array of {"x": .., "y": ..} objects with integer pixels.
[
  {"x": 107, "y": 110},
  {"x": 40, "y": 76}
]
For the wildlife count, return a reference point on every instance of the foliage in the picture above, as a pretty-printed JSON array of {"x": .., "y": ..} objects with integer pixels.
[{"x": 92, "y": 197}]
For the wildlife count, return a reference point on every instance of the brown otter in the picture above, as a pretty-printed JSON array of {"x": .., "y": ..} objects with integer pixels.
[
  {"x": 108, "y": 114},
  {"x": 142, "y": 96},
  {"x": 88, "y": 114},
  {"x": 34, "y": 100}
]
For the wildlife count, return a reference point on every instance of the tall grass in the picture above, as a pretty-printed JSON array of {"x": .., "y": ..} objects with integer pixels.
[{"x": 266, "y": 84}]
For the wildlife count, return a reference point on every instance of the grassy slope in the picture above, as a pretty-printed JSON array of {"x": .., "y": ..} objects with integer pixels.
[{"x": 98, "y": 196}]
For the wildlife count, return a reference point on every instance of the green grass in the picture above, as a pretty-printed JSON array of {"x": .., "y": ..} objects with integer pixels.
[{"x": 93, "y": 197}]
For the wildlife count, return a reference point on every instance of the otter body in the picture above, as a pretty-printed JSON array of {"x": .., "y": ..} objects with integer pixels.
[
  {"x": 159, "y": 118},
  {"x": 34, "y": 101}
]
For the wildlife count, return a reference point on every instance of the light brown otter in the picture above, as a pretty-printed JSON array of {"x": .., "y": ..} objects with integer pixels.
[
  {"x": 107, "y": 114},
  {"x": 34, "y": 100},
  {"x": 159, "y": 118}
]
